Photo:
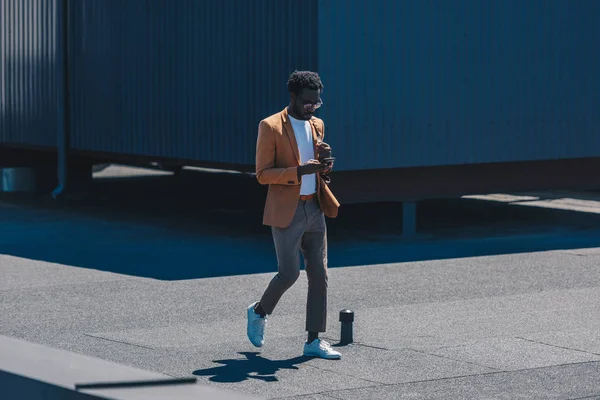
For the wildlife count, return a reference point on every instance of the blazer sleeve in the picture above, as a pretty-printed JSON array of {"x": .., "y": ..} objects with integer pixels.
[{"x": 266, "y": 172}]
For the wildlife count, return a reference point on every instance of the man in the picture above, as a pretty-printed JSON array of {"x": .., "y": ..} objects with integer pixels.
[{"x": 294, "y": 161}]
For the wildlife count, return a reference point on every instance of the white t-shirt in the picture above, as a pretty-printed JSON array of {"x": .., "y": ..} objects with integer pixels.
[{"x": 304, "y": 137}]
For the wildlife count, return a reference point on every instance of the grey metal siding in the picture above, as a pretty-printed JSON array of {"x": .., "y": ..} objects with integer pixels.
[
  {"x": 423, "y": 83},
  {"x": 28, "y": 72},
  {"x": 184, "y": 79}
]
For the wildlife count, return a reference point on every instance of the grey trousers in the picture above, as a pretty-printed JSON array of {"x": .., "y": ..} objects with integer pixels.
[{"x": 307, "y": 234}]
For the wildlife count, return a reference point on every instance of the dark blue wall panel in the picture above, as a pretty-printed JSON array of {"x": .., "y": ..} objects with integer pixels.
[
  {"x": 185, "y": 79},
  {"x": 439, "y": 82},
  {"x": 407, "y": 83},
  {"x": 29, "y": 82}
]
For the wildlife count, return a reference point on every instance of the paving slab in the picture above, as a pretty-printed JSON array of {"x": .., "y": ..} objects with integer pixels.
[
  {"x": 276, "y": 370},
  {"x": 21, "y": 273},
  {"x": 394, "y": 366},
  {"x": 509, "y": 353},
  {"x": 574, "y": 338},
  {"x": 574, "y": 381},
  {"x": 430, "y": 325}
]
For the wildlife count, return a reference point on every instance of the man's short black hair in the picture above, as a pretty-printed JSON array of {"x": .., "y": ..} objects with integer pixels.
[{"x": 304, "y": 80}]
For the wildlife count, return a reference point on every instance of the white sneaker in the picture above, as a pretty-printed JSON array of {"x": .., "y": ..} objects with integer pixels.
[
  {"x": 256, "y": 326},
  {"x": 320, "y": 348}
]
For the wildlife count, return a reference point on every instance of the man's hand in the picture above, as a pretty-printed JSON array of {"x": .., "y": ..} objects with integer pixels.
[
  {"x": 311, "y": 167},
  {"x": 323, "y": 150},
  {"x": 328, "y": 167},
  {"x": 326, "y": 171}
]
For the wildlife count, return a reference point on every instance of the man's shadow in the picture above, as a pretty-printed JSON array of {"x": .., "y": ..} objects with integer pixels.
[{"x": 253, "y": 367}]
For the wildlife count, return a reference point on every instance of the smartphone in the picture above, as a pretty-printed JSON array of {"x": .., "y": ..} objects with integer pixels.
[{"x": 327, "y": 160}]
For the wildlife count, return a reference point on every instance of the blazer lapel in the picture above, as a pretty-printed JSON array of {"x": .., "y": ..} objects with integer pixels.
[
  {"x": 315, "y": 134},
  {"x": 287, "y": 127}
]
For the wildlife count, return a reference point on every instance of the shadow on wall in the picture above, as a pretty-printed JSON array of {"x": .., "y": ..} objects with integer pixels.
[{"x": 206, "y": 224}]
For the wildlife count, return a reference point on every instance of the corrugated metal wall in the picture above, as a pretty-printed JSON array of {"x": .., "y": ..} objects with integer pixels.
[
  {"x": 426, "y": 82},
  {"x": 437, "y": 82},
  {"x": 184, "y": 79},
  {"x": 29, "y": 82}
]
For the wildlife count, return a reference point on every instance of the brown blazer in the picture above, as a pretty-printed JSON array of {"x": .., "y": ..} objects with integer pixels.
[{"x": 277, "y": 159}]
